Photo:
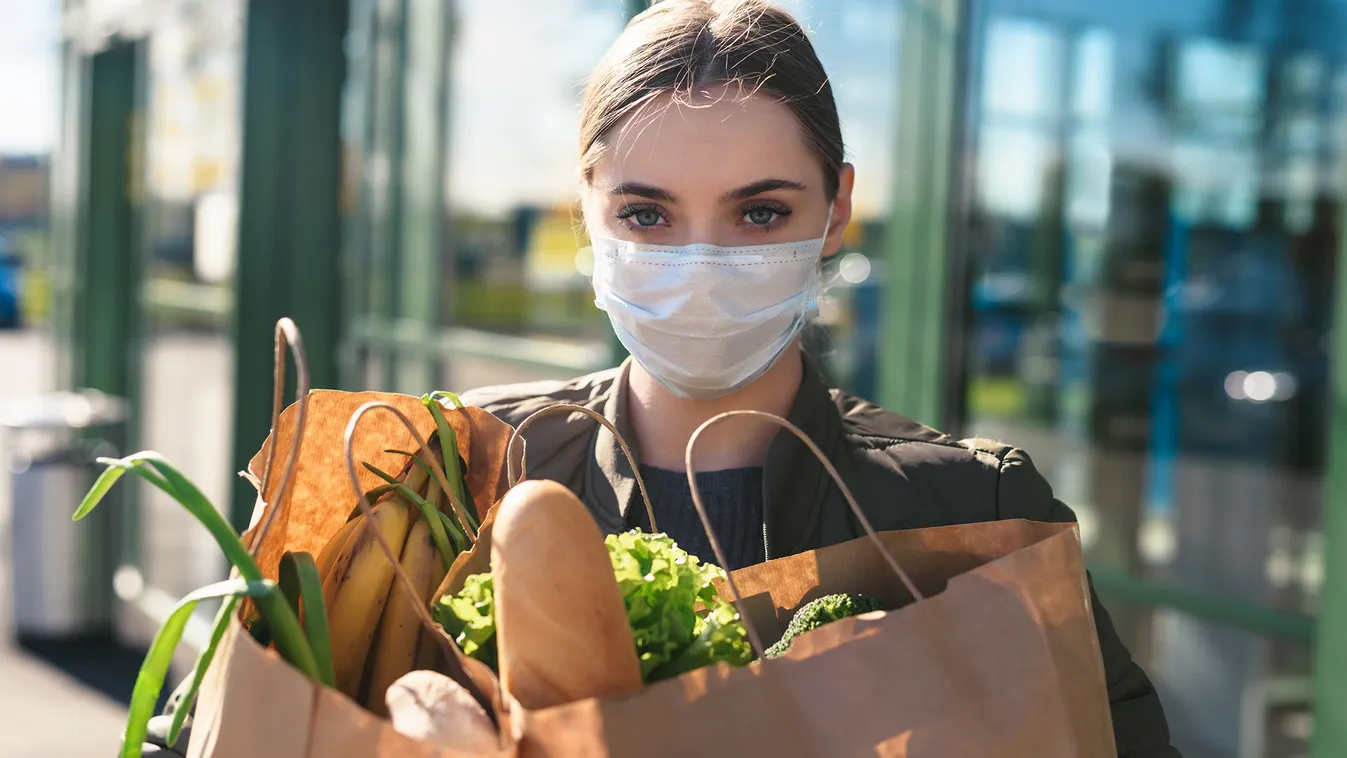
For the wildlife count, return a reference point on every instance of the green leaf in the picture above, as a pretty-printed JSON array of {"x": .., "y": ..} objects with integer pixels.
[
  {"x": 662, "y": 588},
  {"x": 373, "y": 497},
  {"x": 429, "y": 512},
  {"x": 298, "y": 574},
  {"x": 449, "y": 452},
  {"x": 260, "y": 631},
  {"x": 283, "y": 623},
  {"x": 470, "y": 618},
  {"x": 460, "y": 542},
  {"x": 150, "y": 680},
  {"x": 437, "y": 394},
  {"x": 166, "y": 477},
  {"x": 115, "y": 468},
  {"x": 416, "y": 459},
  {"x": 452, "y": 475},
  {"x": 468, "y": 504},
  {"x": 180, "y": 702}
]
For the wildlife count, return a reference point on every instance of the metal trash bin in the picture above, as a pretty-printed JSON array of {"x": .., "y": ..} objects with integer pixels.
[{"x": 61, "y": 571}]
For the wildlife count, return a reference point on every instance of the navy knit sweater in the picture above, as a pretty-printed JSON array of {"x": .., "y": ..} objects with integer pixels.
[{"x": 733, "y": 500}]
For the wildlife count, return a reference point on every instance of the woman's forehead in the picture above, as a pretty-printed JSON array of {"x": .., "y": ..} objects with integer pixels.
[{"x": 713, "y": 143}]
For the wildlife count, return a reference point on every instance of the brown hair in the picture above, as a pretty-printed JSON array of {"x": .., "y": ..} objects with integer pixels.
[{"x": 678, "y": 47}]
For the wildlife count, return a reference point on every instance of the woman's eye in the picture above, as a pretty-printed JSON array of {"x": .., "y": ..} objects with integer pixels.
[
  {"x": 646, "y": 217},
  {"x": 760, "y": 216}
]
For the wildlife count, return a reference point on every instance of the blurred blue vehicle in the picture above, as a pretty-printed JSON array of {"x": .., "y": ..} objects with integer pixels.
[{"x": 10, "y": 269}]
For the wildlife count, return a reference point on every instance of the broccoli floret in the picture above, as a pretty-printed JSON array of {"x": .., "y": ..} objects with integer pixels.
[{"x": 816, "y": 613}]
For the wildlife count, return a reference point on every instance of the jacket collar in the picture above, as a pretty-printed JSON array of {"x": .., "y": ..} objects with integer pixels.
[
  {"x": 795, "y": 485},
  {"x": 609, "y": 476}
]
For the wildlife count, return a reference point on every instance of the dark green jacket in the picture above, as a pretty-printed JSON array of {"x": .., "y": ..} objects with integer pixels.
[{"x": 883, "y": 457}]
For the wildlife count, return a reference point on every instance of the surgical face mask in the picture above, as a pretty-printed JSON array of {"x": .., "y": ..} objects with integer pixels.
[{"x": 704, "y": 320}]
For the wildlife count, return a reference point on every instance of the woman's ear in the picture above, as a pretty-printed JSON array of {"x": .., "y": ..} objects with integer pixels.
[{"x": 837, "y": 224}]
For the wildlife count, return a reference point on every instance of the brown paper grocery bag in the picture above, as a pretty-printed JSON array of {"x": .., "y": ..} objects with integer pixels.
[
  {"x": 990, "y": 650},
  {"x": 1000, "y": 659},
  {"x": 252, "y": 703},
  {"x": 255, "y": 705}
]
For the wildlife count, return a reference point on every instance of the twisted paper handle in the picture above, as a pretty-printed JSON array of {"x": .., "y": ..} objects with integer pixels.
[
  {"x": 753, "y": 636},
  {"x": 522, "y": 473},
  {"x": 287, "y": 335}
]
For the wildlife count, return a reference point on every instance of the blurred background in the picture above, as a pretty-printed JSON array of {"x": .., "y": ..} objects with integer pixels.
[{"x": 1106, "y": 232}]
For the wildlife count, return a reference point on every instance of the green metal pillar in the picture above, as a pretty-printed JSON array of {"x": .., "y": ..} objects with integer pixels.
[
  {"x": 290, "y": 224},
  {"x": 914, "y": 327},
  {"x": 1330, "y": 651},
  {"x": 384, "y": 198},
  {"x": 106, "y": 261},
  {"x": 422, "y": 213}
]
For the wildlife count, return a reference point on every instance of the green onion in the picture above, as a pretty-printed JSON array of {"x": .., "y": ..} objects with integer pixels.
[
  {"x": 303, "y": 588},
  {"x": 180, "y": 702},
  {"x": 150, "y": 680},
  {"x": 428, "y": 512},
  {"x": 437, "y": 394},
  {"x": 283, "y": 623},
  {"x": 372, "y": 496},
  {"x": 452, "y": 471}
]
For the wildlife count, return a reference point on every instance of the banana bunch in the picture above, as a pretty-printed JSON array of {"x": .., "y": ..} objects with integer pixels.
[{"x": 376, "y": 635}]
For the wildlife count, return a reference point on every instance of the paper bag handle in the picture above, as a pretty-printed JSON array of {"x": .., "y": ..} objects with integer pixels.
[
  {"x": 837, "y": 479},
  {"x": 522, "y": 473},
  {"x": 287, "y": 336}
]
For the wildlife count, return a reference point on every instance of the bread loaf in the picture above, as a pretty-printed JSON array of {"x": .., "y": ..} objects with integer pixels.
[
  {"x": 561, "y": 626},
  {"x": 427, "y": 705}
]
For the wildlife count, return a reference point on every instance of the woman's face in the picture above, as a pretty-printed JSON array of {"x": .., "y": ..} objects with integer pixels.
[{"x": 726, "y": 170}]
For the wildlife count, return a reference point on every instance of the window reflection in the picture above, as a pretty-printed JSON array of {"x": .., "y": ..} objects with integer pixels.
[
  {"x": 513, "y": 175},
  {"x": 1152, "y": 243},
  {"x": 192, "y": 139},
  {"x": 857, "y": 42}
]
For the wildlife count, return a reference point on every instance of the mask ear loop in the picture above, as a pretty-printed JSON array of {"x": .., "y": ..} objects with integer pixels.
[{"x": 827, "y": 278}]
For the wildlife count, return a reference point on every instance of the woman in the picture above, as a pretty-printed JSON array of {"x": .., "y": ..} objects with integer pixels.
[{"x": 713, "y": 185}]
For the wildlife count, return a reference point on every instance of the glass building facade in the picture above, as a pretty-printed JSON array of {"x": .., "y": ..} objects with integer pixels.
[{"x": 1105, "y": 232}]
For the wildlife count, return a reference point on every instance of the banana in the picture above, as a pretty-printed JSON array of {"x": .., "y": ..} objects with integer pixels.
[
  {"x": 330, "y": 555},
  {"x": 399, "y": 630},
  {"x": 428, "y": 652},
  {"x": 357, "y": 588},
  {"x": 332, "y": 550},
  {"x": 415, "y": 476}
]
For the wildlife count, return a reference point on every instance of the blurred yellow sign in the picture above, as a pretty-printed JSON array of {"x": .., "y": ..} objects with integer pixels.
[{"x": 553, "y": 242}]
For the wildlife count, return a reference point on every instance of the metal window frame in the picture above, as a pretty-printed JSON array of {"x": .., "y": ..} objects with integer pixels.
[
  {"x": 1330, "y": 658},
  {"x": 916, "y": 320}
]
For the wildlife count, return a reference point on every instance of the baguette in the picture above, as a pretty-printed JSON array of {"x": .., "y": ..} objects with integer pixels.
[{"x": 561, "y": 625}]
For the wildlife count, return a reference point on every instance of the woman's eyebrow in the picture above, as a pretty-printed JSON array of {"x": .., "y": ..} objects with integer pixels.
[
  {"x": 761, "y": 186},
  {"x": 643, "y": 190}
]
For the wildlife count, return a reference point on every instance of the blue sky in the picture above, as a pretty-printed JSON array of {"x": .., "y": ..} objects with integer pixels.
[{"x": 29, "y": 75}]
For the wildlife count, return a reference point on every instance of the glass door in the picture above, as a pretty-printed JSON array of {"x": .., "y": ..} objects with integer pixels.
[
  {"x": 1151, "y": 243},
  {"x": 191, "y": 141}
]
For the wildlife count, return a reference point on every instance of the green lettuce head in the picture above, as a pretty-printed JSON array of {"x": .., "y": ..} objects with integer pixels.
[{"x": 678, "y": 621}]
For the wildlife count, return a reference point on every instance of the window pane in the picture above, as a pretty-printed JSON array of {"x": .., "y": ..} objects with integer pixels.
[
  {"x": 1024, "y": 71},
  {"x": 857, "y": 42},
  {"x": 513, "y": 174},
  {"x": 1149, "y": 308},
  {"x": 193, "y": 142}
]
